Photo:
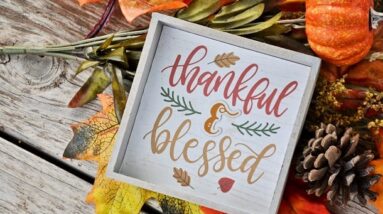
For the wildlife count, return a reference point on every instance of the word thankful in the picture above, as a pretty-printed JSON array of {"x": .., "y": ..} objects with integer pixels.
[
  {"x": 259, "y": 95},
  {"x": 214, "y": 155}
]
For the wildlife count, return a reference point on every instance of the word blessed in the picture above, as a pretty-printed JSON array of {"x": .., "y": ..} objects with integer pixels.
[
  {"x": 259, "y": 94},
  {"x": 214, "y": 155}
]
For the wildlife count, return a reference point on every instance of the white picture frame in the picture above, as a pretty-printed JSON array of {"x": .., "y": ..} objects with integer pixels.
[{"x": 157, "y": 25}]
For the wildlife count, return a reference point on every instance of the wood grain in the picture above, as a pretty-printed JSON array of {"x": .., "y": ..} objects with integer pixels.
[
  {"x": 29, "y": 184},
  {"x": 353, "y": 208},
  {"x": 34, "y": 91}
]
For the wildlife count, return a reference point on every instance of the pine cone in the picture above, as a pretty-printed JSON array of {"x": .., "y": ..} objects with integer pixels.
[{"x": 332, "y": 163}]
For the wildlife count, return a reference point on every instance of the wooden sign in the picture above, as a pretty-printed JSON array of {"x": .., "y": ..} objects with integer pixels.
[{"x": 213, "y": 118}]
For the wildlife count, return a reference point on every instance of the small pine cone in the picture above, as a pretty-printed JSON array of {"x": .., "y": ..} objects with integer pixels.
[{"x": 332, "y": 164}]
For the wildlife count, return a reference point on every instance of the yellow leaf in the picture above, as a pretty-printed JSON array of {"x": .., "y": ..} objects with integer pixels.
[{"x": 93, "y": 140}]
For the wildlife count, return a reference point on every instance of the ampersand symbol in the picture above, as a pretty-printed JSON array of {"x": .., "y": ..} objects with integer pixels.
[{"x": 216, "y": 112}]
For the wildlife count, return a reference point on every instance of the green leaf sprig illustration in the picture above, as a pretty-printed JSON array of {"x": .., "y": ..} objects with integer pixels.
[
  {"x": 256, "y": 128},
  {"x": 178, "y": 102}
]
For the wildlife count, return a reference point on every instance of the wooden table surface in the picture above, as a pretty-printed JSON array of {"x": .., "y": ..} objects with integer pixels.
[{"x": 34, "y": 118}]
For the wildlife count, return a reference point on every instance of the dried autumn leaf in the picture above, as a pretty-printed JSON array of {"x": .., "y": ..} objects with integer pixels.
[
  {"x": 93, "y": 140},
  {"x": 255, "y": 28},
  {"x": 206, "y": 210},
  {"x": 134, "y": 8},
  {"x": 234, "y": 9},
  {"x": 240, "y": 19},
  {"x": 95, "y": 84},
  {"x": 368, "y": 74},
  {"x": 295, "y": 200},
  {"x": 199, "y": 10},
  {"x": 118, "y": 89},
  {"x": 85, "y": 65}
]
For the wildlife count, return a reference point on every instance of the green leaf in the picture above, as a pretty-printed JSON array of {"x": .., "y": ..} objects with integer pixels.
[
  {"x": 117, "y": 55},
  {"x": 288, "y": 43},
  {"x": 119, "y": 95},
  {"x": 198, "y": 10},
  {"x": 132, "y": 44},
  {"x": 241, "y": 19},
  {"x": 85, "y": 65},
  {"x": 106, "y": 44},
  {"x": 276, "y": 29},
  {"x": 134, "y": 55},
  {"x": 235, "y": 8},
  {"x": 95, "y": 84},
  {"x": 255, "y": 28},
  {"x": 133, "y": 59}
]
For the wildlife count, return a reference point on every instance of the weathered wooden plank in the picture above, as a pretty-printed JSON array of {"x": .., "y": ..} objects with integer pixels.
[
  {"x": 30, "y": 184},
  {"x": 353, "y": 208},
  {"x": 34, "y": 91}
]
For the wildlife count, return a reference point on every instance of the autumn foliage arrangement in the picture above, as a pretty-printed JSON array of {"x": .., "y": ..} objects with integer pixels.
[{"x": 338, "y": 160}]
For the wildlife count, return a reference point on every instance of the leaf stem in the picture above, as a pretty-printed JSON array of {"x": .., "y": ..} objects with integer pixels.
[
  {"x": 100, "y": 39},
  {"x": 62, "y": 53},
  {"x": 291, "y": 21}
]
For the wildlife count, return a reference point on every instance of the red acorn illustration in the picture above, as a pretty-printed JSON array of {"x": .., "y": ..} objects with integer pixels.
[{"x": 225, "y": 184}]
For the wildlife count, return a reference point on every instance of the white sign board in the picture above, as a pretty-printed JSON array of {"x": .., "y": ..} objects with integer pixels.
[{"x": 213, "y": 118}]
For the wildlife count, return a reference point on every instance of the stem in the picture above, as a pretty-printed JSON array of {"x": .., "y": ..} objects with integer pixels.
[
  {"x": 72, "y": 50},
  {"x": 32, "y": 50},
  {"x": 291, "y": 21},
  {"x": 104, "y": 19},
  {"x": 38, "y": 51},
  {"x": 100, "y": 39}
]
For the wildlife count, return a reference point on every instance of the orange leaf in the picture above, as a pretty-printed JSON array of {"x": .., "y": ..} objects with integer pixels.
[
  {"x": 285, "y": 207},
  {"x": 93, "y": 139},
  {"x": 134, "y": 8},
  {"x": 368, "y": 74},
  {"x": 206, "y": 210},
  {"x": 296, "y": 201},
  {"x": 82, "y": 2}
]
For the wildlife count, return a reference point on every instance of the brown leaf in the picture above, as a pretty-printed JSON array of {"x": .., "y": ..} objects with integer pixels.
[
  {"x": 96, "y": 84},
  {"x": 182, "y": 177},
  {"x": 368, "y": 74},
  {"x": 225, "y": 60},
  {"x": 118, "y": 89}
]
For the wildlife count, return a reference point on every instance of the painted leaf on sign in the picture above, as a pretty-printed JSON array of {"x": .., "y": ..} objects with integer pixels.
[{"x": 226, "y": 184}]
